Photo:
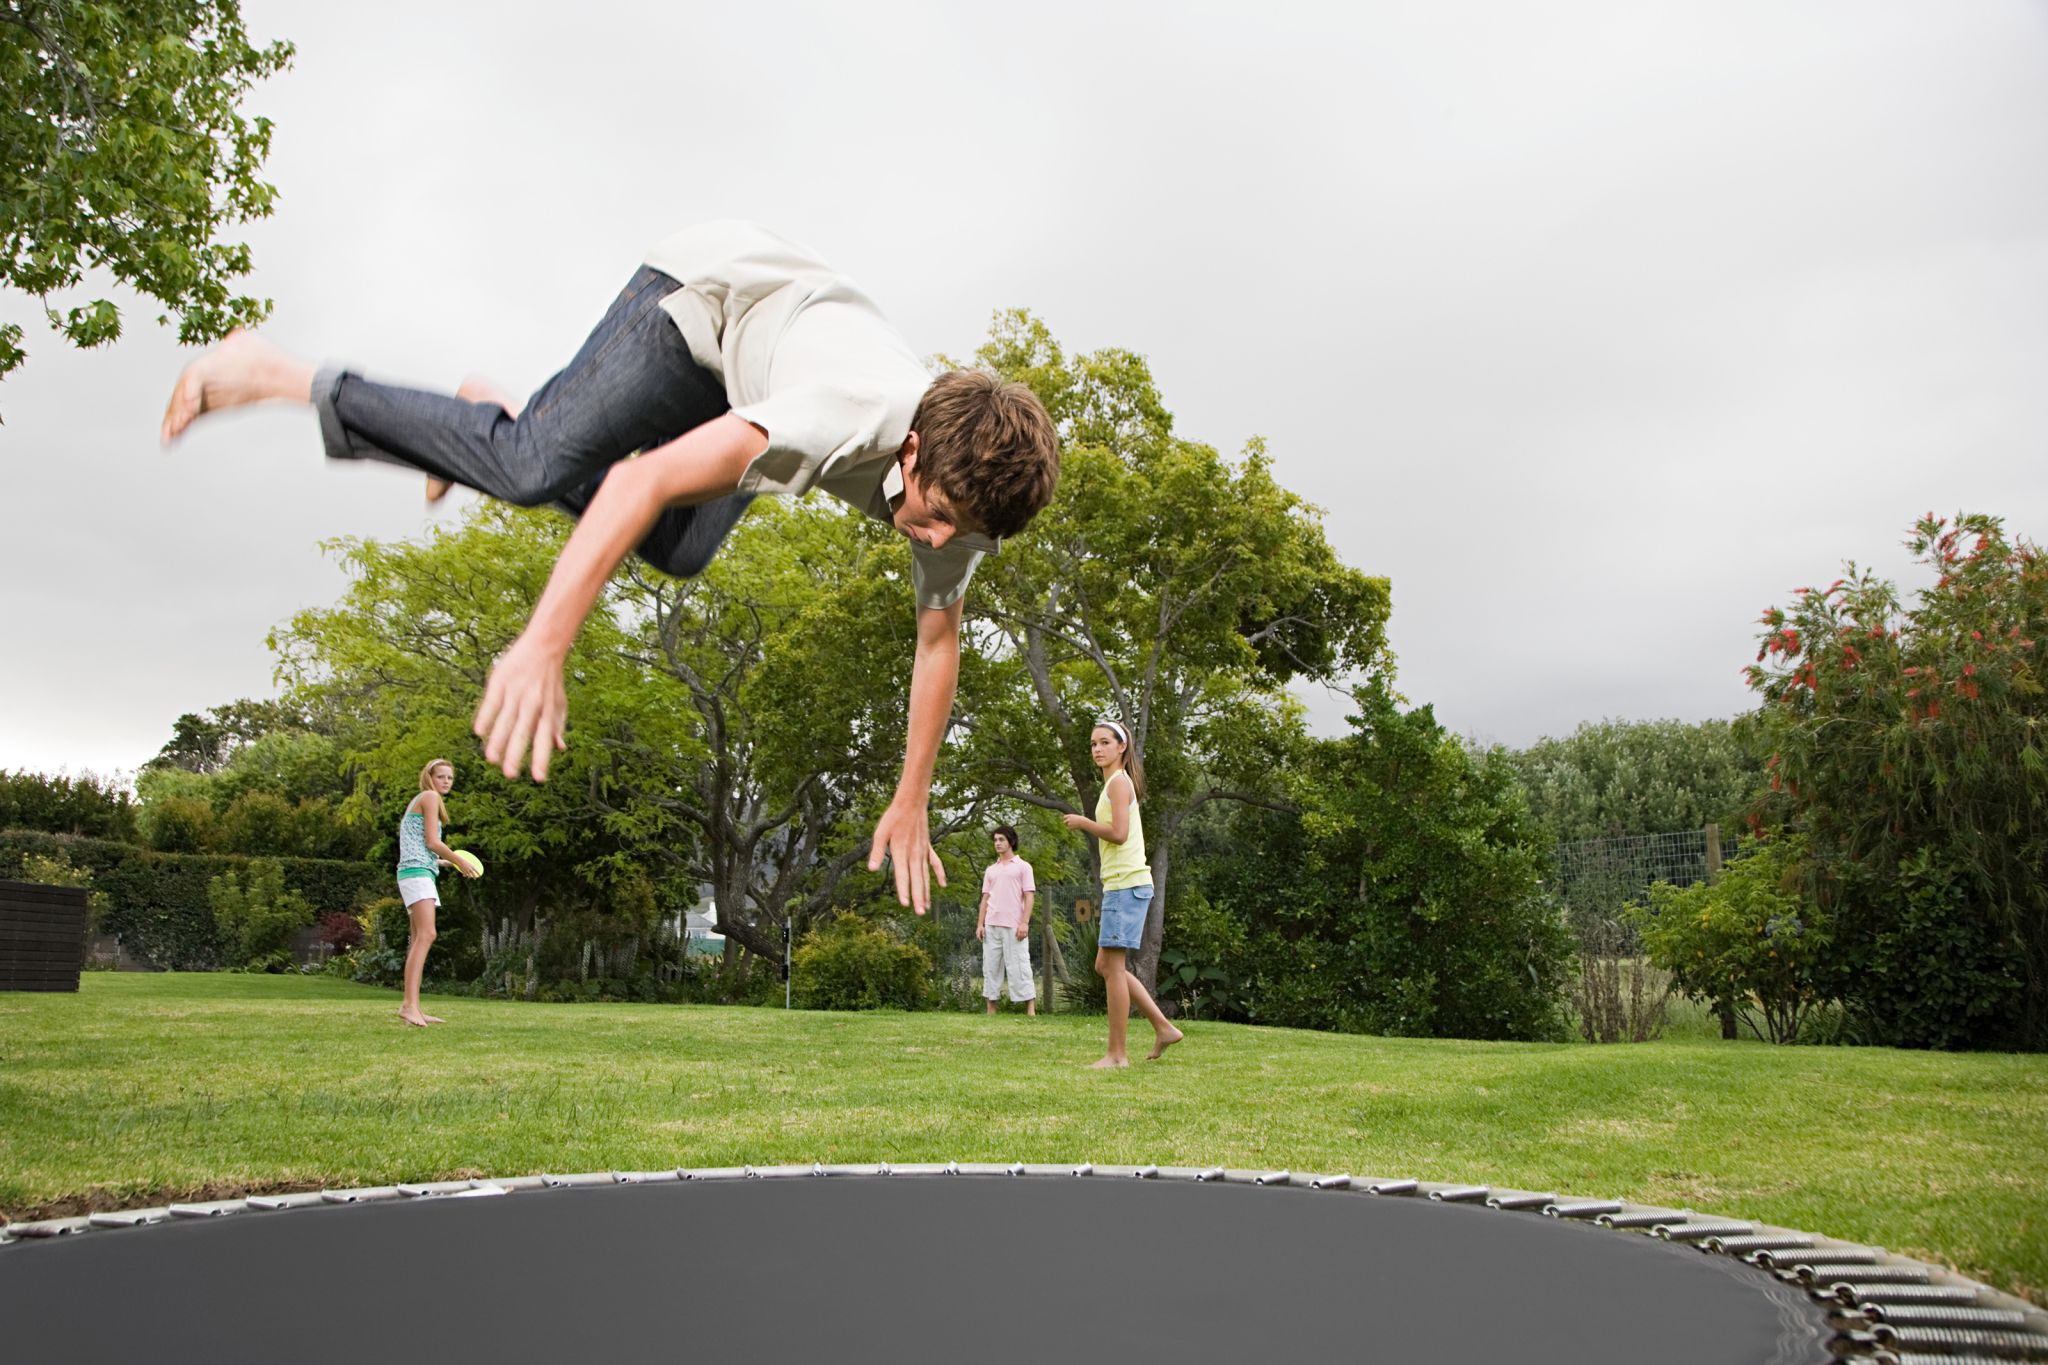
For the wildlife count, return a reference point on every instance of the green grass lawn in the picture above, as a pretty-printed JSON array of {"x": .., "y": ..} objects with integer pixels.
[{"x": 146, "y": 1088}]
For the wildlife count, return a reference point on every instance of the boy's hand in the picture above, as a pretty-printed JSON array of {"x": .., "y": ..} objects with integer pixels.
[
  {"x": 981, "y": 932},
  {"x": 1021, "y": 931},
  {"x": 524, "y": 703},
  {"x": 903, "y": 835}
]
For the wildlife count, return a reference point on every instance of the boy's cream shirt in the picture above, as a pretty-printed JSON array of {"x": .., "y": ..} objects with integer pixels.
[{"x": 809, "y": 359}]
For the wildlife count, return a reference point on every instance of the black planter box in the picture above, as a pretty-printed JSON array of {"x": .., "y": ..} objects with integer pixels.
[{"x": 42, "y": 936}]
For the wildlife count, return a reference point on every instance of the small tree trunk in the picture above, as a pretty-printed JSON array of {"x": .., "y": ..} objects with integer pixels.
[{"x": 1144, "y": 963}]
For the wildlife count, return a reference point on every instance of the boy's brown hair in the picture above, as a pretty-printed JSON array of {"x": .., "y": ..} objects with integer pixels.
[{"x": 989, "y": 446}]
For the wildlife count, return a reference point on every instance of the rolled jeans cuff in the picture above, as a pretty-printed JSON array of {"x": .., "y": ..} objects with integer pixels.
[{"x": 326, "y": 385}]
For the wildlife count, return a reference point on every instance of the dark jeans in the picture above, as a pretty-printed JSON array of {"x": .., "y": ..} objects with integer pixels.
[{"x": 633, "y": 386}]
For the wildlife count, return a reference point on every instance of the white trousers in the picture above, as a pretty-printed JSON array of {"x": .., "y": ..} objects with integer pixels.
[{"x": 1005, "y": 956}]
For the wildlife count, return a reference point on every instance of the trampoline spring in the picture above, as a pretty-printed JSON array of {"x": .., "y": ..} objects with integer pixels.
[
  {"x": 952, "y": 1168},
  {"x": 1330, "y": 1182},
  {"x": 1952, "y": 1341},
  {"x": 1889, "y": 1295},
  {"x": 749, "y": 1173},
  {"x": 370, "y": 1196},
  {"x": 1866, "y": 1275},
  {"x": 1939, "y": 1315},
  {"x": 128, "y": 1218},
  {"x": 1589, "y": 1209},
  {"x": 1393, "y": 1187},
  {"x": 1274, "y": 1178},
  {"x": 1744, "y": 1246},
  {"x": 274, "y": 1203},
  {"x": 1647, "y": 1218},
  {"x": 1213, "y": 1173},
  {"x": 1016, "y": 1168},
  {"x": 1461, "y": 1194},
  {"x": 1925, "y": 1358},
  {"x": 1768, "y": 1241},
  {"x": 1085, "y": 1168},
  {"x": 817, "y": 1168},
  {"x": 885, "y": 1169},
  {"x": 1833, "y": 1260},
  {"x": 1520, "y": 1201},
  {"x": 212, "y": 1210},
  {"x": 1146, "y": 1173},
  {"x": 1700, "y": 1232},
  {"x": 53, "y": 1227}
]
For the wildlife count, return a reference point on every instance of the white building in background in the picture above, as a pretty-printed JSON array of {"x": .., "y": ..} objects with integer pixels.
[{"x": 699, "y": 924}]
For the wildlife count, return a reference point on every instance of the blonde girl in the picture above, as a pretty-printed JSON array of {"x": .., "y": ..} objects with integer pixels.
[
  {"x": 421, "y": 856},
  {"x": 1126, "y": 889}
]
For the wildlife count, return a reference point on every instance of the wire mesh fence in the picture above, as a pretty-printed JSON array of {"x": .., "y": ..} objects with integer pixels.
[
  {"x": 1597, "y": 878},
  {"x": 1061, "y": 946},
  {"x": 1617, "y": 996}
]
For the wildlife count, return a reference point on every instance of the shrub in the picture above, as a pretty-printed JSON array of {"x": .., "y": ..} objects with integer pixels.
[
  {"x": 850, "y": 964},
  {"x": 157, "y": 903},
  {"x": 1747, "y": 941},
  {"x": 257, "y": 916},
  {"x": 1905, "y": 742},
  {"x": 55, "y": 869},
  {"x": 89, "y": 805},
  {"x": 1944, "y": 970},
  {"x": 341, "y": 931}
]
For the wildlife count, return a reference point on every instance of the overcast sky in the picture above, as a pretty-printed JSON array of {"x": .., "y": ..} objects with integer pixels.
[{"x": 1594, "y": 326}]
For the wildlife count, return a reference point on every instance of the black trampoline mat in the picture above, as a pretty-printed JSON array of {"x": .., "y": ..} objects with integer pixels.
[{"x": 896, "y": 1268}]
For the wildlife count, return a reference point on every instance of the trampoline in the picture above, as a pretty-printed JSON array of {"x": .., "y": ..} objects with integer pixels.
[{"x": 971, "y": 1263}]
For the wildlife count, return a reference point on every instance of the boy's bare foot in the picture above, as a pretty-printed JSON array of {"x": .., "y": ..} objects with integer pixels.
[
  {"x": 1109, "y": 1064},
  {"x": 244, "y": 368},
  {"x": 1163, "y": 1041}
]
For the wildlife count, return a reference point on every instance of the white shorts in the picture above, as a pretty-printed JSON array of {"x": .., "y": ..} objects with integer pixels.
[
  {"x": 412, "y": 890},
  {"x": 1004, "y": 955}
]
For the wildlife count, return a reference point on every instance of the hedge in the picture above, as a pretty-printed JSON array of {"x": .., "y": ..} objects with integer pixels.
[{"x": 157, "y": 904}]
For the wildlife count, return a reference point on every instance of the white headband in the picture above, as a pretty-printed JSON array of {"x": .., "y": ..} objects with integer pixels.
[{"x": 1121, "y": 733}]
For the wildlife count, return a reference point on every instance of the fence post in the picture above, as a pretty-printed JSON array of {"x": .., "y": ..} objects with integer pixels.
[
  {"x": 1713, "y": 837},
  {"x": 1045, "y": 957}
]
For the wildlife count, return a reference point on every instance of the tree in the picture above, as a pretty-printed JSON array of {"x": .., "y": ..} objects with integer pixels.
[
  {"x": 205, "y": 743},
  {"x": 397, "y": 665},
  {"x": 1906, "y": 743},
  {"x": 1747, "y": 942},
  {"x": 123, "y": 150},
  {"x": 731, "y": 730},
  {"x": 1613, "y": 777},
  {"x": 251, "y": 777},
  {"x": 1405, "y": 898},
  {"x": 1175, "y": 589}
]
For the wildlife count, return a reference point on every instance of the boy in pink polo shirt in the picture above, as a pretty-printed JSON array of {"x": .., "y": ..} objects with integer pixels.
[{"x": 1004, "y": 926}]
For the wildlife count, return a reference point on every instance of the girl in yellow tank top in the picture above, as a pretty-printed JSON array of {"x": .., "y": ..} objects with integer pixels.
[{"x": 1126, "y": 889}]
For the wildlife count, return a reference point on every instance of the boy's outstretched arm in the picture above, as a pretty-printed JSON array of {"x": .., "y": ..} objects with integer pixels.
[
  {"x": 524, "y": 702},
  {"x": 904, "y": 832}
]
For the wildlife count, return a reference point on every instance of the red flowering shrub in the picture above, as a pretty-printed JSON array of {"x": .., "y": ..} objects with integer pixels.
[{"x": 1910, "y": 743}]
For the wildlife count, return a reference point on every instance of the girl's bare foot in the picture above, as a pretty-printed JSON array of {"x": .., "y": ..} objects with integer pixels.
[
  {"x": 244, "y": 368},
  {"x": 1163, "y": 1041},
  {"x": 1109, "y": 1064},
  {"x": 416, "y": 1019},
  {"x": 474, "y": 389},
  {"x": 437, "y": 1019}
]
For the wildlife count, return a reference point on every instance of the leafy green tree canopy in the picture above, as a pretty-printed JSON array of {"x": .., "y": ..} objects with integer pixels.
[
  {"x": 1613, "y": 777},
  {"x": 123, "y": 149}
]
